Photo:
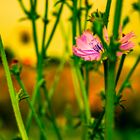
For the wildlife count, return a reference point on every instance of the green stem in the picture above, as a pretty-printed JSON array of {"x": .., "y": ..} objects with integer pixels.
[
  {"x": 79, "y": 18},
  {"x": 105, "y": 63},
  {"x": 54, "y": 27},
  {"x": 109, "y": 107},
  {"x": 120, "y": 68},
  {"x": 107, "y": 11},
  {"x": 74, "y": 20},
  {"x": 86, "y": 14},
  {"x": 56, "y": 129},
  {"x": 85, "y": 97},
  {"x": 87, "y": 80},
  {"x": 117, "y": 18},
  {"x": 56, "y": 79},
  {"x": 12, "y": 94},
  {"x": 45, "y": 26},
  {"x": 23, "y": 7},
  {"x": 97, "y": 124},
  {"x": 76, "y": 89},
  {"x": 35, "y": 94},
  {"x": 35, "y": 36},
  {"x": 128, "y": 76},
  {"x": 39, "y": 123}
]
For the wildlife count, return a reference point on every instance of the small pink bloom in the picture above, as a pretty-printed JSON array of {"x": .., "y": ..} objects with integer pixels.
[
  {"x": 126, "y": 43},
  {"x": 88, "y": 47}
]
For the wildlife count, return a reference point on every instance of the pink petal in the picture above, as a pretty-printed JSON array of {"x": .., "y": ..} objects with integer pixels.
[
  {"x": 81, "y": 44},
  {"x": 88, "y": 35},
  {"x": 127, "y": 46},
  {"x": 127, "y": 37}
]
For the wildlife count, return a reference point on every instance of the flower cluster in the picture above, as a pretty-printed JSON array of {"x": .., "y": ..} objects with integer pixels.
[{"x": 89, "y": 47}]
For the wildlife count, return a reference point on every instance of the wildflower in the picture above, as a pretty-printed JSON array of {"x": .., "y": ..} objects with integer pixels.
[
  {"x": 126, "y": 45},
  {"x": 88, "y": 47}
]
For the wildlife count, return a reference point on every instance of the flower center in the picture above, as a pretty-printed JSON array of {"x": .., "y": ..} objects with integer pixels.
[{"x": 97, "y": 48}]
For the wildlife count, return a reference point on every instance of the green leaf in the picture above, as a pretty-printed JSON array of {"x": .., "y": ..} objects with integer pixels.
[{"x": 125, "y": 22}]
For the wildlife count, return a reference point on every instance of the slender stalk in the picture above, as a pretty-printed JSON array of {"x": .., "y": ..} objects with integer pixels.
[
  {"x": 120, "y": 68},
  {"x": 107, "y": 11},
  {"x": 56, "y": 79},
  {"x": 117, "y": 18},
  {"x": 79, "y": 17},
  {"x": 87, "y": 115},
  {"x": 45, "y": 26},
  {"x": 76, "y": 89},
  {"x": 56, "y": 129},
  {"x": 35, "y": 93},
  {"x": 39, "y": 123},
  {"x": 85, "y": 97},
  {"x": 74, "y": 20},
  {"x": 12, "y": 94},
  {"x": 109, "y": 107},
  {"x": 86, "y": 14},
  {"x": 54, "y": 27},
  {"x": 22, "y": 6},
  {"x": 128, "y": 76},
  {"x": 105, "y": 63},
  {"x": 97, "y": 124},
  {"x": 35, "y": 36},
  {"x": 87, "y": 80}
]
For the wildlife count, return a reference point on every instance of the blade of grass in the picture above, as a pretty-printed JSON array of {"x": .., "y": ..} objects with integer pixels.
[{"x": 12, "y": 94}]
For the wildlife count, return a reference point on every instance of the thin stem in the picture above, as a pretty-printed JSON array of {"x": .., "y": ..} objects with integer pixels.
[
  {"x": 97, "y": 124},
  {"x": 120, "y": 68},
  {"x": 105, "y": 63},
  {"x": 39, "y": 123},
  {"x": 45, "y": 26},
  {"x": 128, "y": 76},
  {"x": 12, "y": 94},
  {"x": 54, "y": 27},
  {"x": 84, "y": 94},
  {"x": 35, "y": 93},
  {"x": 117, "y": 18},
  {"x": 86, "y": 14},
  {"x": 79, "y": 18},
  {"x": 107, "y": 11},
  {"x": 109, "y": 107},
  {"x": 22, "y": 6},
  {"x": 35, "y": 36},
  {"x": 31, "y": 3},
  {"x": 74, "y": 20},
  {"x": 51, "y": 113},
  {"x": 76, "y": 89},
  {"x": 56, "y": 79},
  {"x": 87, "y": 80}
]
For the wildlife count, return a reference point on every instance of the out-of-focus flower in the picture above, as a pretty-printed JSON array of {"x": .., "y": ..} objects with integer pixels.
[
  {"x": 88, "y": 47},
  {"x": 126, "y": 45}
]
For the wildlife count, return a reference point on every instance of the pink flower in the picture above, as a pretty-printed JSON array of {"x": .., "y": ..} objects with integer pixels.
[
  {"x": 126, "y": 44},
  {"x": 88, "y": 47}
]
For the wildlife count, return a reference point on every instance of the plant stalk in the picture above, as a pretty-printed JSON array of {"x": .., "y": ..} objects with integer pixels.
[{"x": 12, "y": 94}]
